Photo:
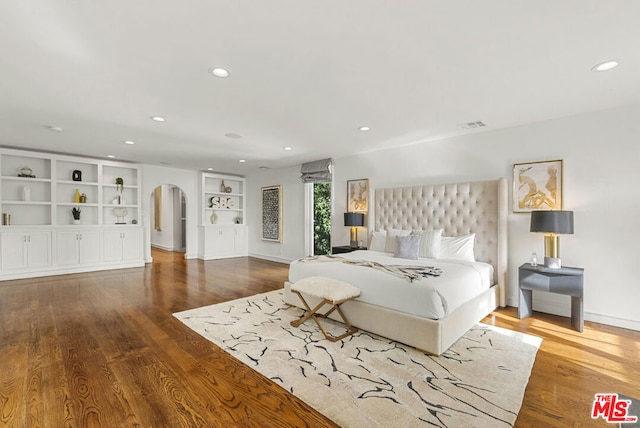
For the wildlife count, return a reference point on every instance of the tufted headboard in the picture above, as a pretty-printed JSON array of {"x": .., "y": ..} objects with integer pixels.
[{"x": 478, "y": 207}]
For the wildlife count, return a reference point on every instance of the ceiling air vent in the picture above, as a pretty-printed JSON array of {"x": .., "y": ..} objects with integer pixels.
[{"x": 472, "y": 125}]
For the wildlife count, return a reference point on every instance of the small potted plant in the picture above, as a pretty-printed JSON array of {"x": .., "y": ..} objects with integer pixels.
[
  {"x": 119, "y": 184},
  {"x": 75, "y": 211}
]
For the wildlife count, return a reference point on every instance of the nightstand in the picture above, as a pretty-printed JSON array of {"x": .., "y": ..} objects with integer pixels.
[
  {"x": 345, "y": 249},
  {"x": 566, "y": 280}
]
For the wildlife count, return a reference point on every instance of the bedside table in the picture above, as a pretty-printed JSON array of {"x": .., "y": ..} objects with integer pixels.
[
  {"x": 566, "y": 280},
  {"x": 345, "y": 249}
]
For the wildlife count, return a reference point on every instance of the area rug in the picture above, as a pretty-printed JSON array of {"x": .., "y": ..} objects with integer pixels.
[{"x": 366, "y": 380}]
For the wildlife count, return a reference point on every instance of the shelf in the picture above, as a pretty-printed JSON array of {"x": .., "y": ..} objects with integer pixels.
[
  {"x": 239, "y": 195},
  {"x": 26, "y": 203},
  {"x": 77, "y": 183},
  {"x": 224, "y": 209},
  {"x": 26, "y": 179},
  {"x": 76, "y": 204}
]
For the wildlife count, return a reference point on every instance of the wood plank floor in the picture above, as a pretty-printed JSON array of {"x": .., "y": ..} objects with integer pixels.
[{"x": 103, "y": 350}]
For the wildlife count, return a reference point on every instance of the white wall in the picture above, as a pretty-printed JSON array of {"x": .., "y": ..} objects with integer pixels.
[
  {"x": 153, "y": 176},
  {"x": 292, "y": 245},
  {"x": 601, "y": 157}
]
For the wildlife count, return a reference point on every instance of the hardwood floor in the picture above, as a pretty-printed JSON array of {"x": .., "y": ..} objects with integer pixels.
[{"x": 103, "y": 349}]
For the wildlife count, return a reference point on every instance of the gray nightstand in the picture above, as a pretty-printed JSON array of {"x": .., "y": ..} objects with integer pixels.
[{"x": 566, "y": 280}]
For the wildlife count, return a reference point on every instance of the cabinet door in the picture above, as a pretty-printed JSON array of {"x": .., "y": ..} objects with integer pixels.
[
  {"x": 39, "y": 249},
  {"x": 240, "y": 241},
  {"x": 14, "y": 250},
  {"x": 67, "y": 248},
  {"x": 89, "y": 247},
  {"x": 112, "y": 245},
  {"x": 225, "y": 241},
  {"x": 132, "y": 244}
]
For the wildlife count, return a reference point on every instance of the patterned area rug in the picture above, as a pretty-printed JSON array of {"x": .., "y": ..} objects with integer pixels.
[{"x": 369, "y": 381}]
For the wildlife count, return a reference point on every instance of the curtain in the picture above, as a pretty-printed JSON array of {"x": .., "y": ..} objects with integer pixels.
[{"x": 317, "y": 171}]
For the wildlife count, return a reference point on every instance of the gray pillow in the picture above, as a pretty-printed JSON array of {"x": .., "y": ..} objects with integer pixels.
[{"x": 408, "y": 247}]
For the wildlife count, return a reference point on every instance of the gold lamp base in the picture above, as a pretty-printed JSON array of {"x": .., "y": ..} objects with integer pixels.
[
  {"x": 354, "y": 237},
  {"x": 552, "y": 251}
]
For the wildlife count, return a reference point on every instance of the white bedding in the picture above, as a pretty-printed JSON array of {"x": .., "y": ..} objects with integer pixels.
[{"x": 433, "y": 297}]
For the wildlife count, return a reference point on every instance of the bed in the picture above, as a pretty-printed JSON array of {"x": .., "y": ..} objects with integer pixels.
[{"x": 461, "y": 295}]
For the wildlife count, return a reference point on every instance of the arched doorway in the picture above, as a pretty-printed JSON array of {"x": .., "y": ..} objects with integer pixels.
[{"x": 168, "y": 218}]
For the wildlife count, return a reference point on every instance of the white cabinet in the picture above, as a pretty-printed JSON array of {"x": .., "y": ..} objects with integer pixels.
[
  {"x": 122, "y": 244},
  {"x": 223, "y": 231},
  {"x": 25, "y": 250},
  {"x": 77, "y": 247},
  {"x": 223, "y": 241}
]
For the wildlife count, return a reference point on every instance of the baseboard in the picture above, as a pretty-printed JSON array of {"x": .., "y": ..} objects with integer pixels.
[
  {"x": 564, "y": 310},
  {"x": 271, "y": 258}
]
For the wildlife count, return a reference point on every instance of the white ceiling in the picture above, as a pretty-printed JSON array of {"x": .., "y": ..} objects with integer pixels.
[{"x": 305, "y": 74}]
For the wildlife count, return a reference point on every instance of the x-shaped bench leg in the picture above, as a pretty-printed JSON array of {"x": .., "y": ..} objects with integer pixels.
[{"x": 313, "y": 313}]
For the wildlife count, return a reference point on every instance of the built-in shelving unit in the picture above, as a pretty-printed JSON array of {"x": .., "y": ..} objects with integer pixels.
[
  {"x": 37, "y": 194},
  {"x": 223, "y": 228}
]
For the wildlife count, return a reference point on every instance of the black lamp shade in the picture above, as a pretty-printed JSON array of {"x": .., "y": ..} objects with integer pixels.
[
  {"x": 353, "y": 219},
  {"x": 552, "y": 221}
]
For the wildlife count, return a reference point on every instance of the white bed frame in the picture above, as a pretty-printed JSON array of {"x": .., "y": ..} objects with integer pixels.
[{"x": 460, "y": 208}]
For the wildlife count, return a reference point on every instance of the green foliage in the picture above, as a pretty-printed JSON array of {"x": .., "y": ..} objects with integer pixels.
[
  {"x": 321, "y": 218},
  {"x": 76, "y": 213}
]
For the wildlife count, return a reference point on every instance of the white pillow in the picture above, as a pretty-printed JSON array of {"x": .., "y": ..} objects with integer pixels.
[
  {"x": 458, "y": 247},
  {"x": 378, "y": 240},
  {"x": 430, "y": 242},
  {"x": 391, "y": 242},
  {"x": 408, "y": 247}
]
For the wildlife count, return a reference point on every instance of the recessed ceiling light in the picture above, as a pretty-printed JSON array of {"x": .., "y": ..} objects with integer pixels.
[
  {"x": 131, "y": 143},
  {"x": 606, "y": 66},
  {"x": 158, "y": 119},
  {"x": 364, "y": 128},
  {"x": 209, "y": 169},
  {"x": 110, "y": 156},
  {"x": 232, "y": 135},
  {"x": 219, "y": 72},
  {"x": 54, "y": 128},
  {"x": 242, "y": 161},
  {"x": 287, "y": 148}
]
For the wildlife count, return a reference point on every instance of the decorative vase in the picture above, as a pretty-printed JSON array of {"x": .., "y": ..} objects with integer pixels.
[
  {"x": 76, "y": 197},
  {"x": 76, "y": 221},
  {"x": 214, "y": 218},
  {"x": 223, "y": 188},
  {"x": 26, "y": 193}
]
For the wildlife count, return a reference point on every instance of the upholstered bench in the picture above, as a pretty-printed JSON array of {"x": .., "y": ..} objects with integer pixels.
[{"x": 332, "y": 292}]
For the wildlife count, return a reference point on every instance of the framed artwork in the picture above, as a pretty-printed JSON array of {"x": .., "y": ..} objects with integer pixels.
[
  {"x": 537, "y": 186},
  {"x": 358, "y": 196},
  {"x": 272, "y": 213}
]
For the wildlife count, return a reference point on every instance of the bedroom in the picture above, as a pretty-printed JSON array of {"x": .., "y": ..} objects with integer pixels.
[{"x": 599, "y": 150}]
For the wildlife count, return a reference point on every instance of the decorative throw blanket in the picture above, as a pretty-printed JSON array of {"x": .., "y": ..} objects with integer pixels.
[{"x": 411, "y": 273}]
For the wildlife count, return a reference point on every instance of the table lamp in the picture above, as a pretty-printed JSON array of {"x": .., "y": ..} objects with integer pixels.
[
  {"x": 552, "y": 223},
  {"x": 354, "y": 220}
]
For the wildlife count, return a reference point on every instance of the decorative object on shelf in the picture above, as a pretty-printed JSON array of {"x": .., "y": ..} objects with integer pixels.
[
  {"x": 272, "y": 213},
  {"x": 354, "y": 220},
  {"x": 223, "y": 188},
  {"x": 76, "y": 196},
  {"x": 237, "y": 220},
  {"x": 120, "y": 214},
  {"x": 76, "y": 175},
  {"x": 214, "y": 218},
  {"x": 221, "y": 202},
  {"x": 134, "y": 221},
  {"x": 119, "y": 184},
  {"x": 552, "y": 223},
  {"x": 75, "y": 211},
  {"x": 228, "y": 189},
  {"x": 358, "y": 195},
  {"x": 26, "y": 193},
  {"x": 83, "y": 198},
  {"x": 25, "y": 171},
  {"x": 6, "y": 219},
  {"x": 118, "y": 200},
  {"x": 537, "y": 186}
]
